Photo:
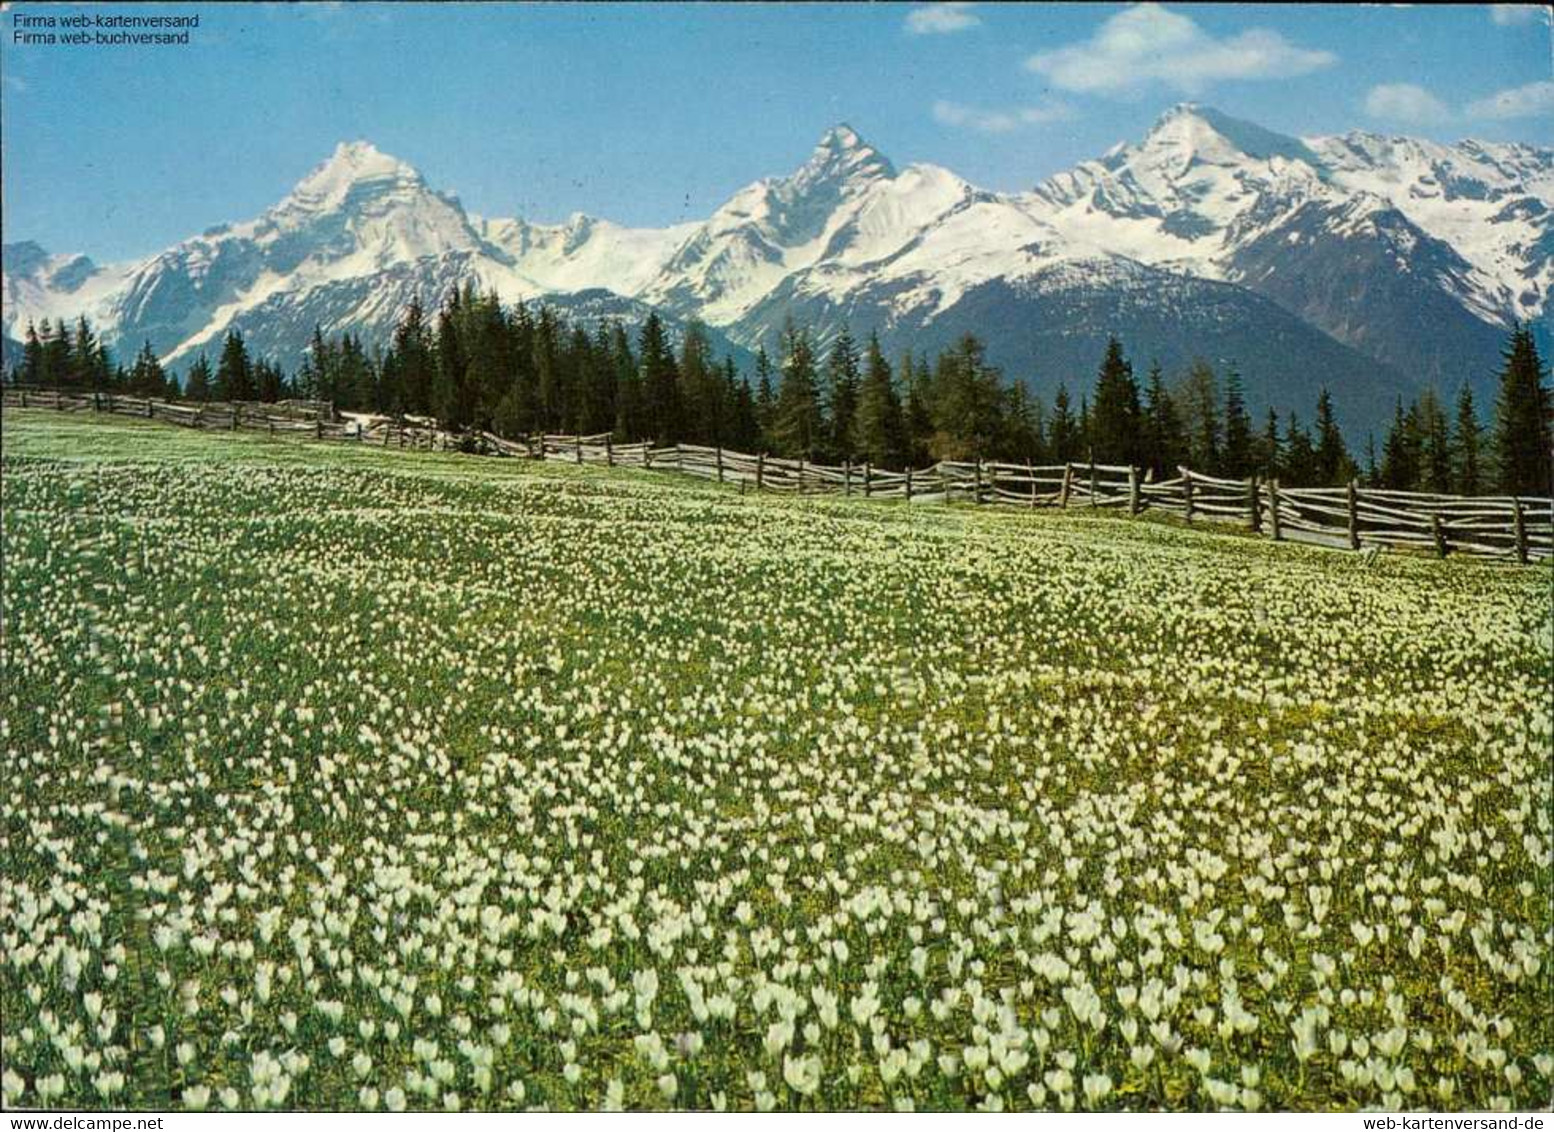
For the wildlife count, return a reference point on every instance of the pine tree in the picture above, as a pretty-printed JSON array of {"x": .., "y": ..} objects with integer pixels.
[
  {"x": 1522, "y": 436},
  {"x": 1199, "y": 402},
  {"x": 32, "y": 357},
  {"x": 966, "y": 402},
  {"x": 1400, "y": 452},
  {"x": 234, "y": 372},
  {"x": 147, "y": 379},
  {"x": 451, "y": 400},
  {"x": 1270, "y": 449},
  {"x": 765, "y": 397},
  {"x": 90, "y": 358},
  {"x": 1372, "y": 469},
  {"x": 415, "y": 368},
  {"x": 1063, "y": 434},
  {"x": 57, "y": 361},
  {"x": 842, "y": 397},
  {"x": 660, "y": 383},
  {"x": 1114, "y": 420},
  {"x": 916, "y": 409},
  {"x": 1434, "y": 444},
  {"x": 1165, "y": 442},
  {"x": 881, "y": 422},
  {"x": 1300, "y": 455},
  {"x": 700, "y": 387},
  {"x": 1236, "y": 460},
  {"x": 630, "y": 404},
  {"x": 799, "y": 428},
  {"x": 197, "y": 385},
  {"x": 1467, "y": 477},
  {"x": 1334, "y": 467}
]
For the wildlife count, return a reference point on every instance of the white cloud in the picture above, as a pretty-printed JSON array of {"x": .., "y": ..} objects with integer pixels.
[
  {"x": 1509, "y": 15},
  {"x": 1407, "y": 103},
  {"x": 999, "y": 121},
  {"x": 940, "y": 19},
  {"x": 1530, "y": 101},
  {"x": 1149, "y": 44}
]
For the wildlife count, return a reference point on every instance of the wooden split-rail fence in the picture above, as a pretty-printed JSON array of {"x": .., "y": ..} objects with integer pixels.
[{"x": 1520, "y": 528}]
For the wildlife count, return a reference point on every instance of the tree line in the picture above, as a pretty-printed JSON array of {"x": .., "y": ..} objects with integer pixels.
[{"x": 521, "y": 369}]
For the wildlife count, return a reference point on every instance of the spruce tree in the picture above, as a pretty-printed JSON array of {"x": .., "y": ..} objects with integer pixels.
[
  {"x": 660, "y": 383},
  {"x": 1334, "y": 467},
  {"x": 1114, "y": 420},
  {"x": 1165, "y": 439},
  {"x": 1434, "y": 444},
  {"x": 1467, "y": 477},
  {"x": 147, "y": 379},
  {"x": 916, "y": 409},
  {"x": 197, "y": 384},
  {"x": 1236, "y": 461},
  {"x": 881, "y": 423},
  {"x": 32, "y": 357},
  {"x": 799, "y": 427},
  {"x": 1270, "y": 449},
  {"x": 1400, "y": 452},
  {"x": 967, "y": 395},
  {"x": 1198, "y": 399},
  {"x": 700, "y": 387},
  {"x": 765, "y": 397},
  {"x": 1300, "y": 455},
  {"x": 1063, "y": 433},
  {"x": 842, "y": 397},
  {"x": 234, "y": 372},
  {"x": 1522, "y": 435}
]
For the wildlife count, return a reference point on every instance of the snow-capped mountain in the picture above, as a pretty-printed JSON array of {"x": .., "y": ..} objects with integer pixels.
[
  {"x": 1366, "y": 263},
  {"x": 1417, "y": 253}
]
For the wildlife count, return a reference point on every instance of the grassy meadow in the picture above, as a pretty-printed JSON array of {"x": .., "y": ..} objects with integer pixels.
[{"x": 340, "y": 778}]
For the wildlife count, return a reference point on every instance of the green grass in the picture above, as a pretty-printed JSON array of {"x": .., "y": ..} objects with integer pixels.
[{"x": 310, "y": 741}]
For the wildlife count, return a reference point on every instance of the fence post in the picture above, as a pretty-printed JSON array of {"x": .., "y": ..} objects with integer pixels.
[
  {"x": 679, "y": 458},
  {"x": 236, "y": 413},
  {"x": 647, "y": 453},
  {"x": 1354, "y": 515},
  {"x": 909, "y": 484},
  {"x": 1438, "y": 535},
  {"x": 1093, "y": 484},
  {"x": 1254, "y": 504},
  {"x": 847, "y": 479},
  {"x": 270, "y": 426},
  {"x": 318, "y": 428},
  {"x": 944, "y": 483},
  {"x": 609, "y": 453},
  {"x": 868, "y": 474},
  {"x": 96, "y": 403},
  {"x": 977, "y": 498},
  {"x": 1133, "y": 490},
  {"x": 1186, "y": 489},
  {"x": 1519, "y": 523},
  {"x": 1030, "y": 474},
  {"x": 1273, "y": 511},
  {"x": 760, "y": 469},
  {"x": 1068, "y": 475},
  {"x": 801, "y": 475},
  {"x": 24, "y": 398},
  {"x": 577, "y": 442}
]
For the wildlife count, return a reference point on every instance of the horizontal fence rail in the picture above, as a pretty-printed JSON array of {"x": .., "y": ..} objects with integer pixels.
[{"x": 1350, "y": 517}]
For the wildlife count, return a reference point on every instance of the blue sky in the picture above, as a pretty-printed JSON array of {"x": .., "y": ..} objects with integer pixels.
[{"x": 654, "y": 114}]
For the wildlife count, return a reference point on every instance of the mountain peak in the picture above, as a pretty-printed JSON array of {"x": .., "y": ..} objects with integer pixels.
[
  {"x": 841, "y": 155},
  {"x": 1218, "y": 138},
  {"x": 352, "y": 163}
]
